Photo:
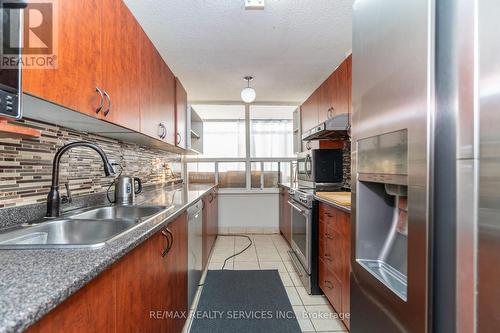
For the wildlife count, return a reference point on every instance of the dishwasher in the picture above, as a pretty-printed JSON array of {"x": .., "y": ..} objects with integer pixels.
[{"x": 195, "y": 230}]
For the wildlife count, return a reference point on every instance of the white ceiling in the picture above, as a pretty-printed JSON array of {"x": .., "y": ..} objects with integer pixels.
[{"x": 290, "y": 47}]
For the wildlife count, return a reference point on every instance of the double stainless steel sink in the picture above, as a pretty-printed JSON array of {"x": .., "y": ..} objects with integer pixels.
[{"x": 90, "y": 228}]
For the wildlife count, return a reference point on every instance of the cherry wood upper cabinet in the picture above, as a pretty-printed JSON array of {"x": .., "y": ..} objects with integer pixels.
[
  {"x": 120, "y": 34},
  {"x": 73, "y": 83},
  {"x": 157, "y": 87},
  {"x": 180, "y": 115},
  {"x": 341, "y": 90},
  {"x": 324, "y": 100},
  {"x": 309, "y": 112}
]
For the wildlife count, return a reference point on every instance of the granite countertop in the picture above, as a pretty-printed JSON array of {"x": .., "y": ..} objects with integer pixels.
[
  {"x": 294, "y": 186},
  {"x": 33, "y": 282}
]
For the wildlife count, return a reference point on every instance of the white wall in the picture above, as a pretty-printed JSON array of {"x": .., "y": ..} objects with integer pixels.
[{"x": 248, "y": 213}]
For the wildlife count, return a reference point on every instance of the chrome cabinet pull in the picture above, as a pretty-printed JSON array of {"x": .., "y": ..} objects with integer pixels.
[
  {"x": 170, "y": 241},
  {"x": 330, "y": 112},
  {"x": 163, "y": 132},
  {"x": 109, "y": 103},
  {"x": 101, "y": 104},
  {"x": 179, "y": 137}
]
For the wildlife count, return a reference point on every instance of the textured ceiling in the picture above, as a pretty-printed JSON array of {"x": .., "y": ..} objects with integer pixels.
[{"x": 290, "y": 47}]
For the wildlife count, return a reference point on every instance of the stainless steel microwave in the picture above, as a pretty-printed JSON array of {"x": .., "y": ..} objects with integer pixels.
[
  {"x": 11, "y": 34},
  {"x": 320, "y": 167}
]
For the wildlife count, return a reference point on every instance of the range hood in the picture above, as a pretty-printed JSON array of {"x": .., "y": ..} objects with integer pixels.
[{"x": 334, "y": 128}]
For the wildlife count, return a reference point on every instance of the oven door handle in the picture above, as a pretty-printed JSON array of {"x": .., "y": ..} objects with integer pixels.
[{"x": 296, "y": 207}]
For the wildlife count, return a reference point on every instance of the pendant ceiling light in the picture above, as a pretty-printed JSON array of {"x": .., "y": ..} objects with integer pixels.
[{"x": 248, "y": 93}]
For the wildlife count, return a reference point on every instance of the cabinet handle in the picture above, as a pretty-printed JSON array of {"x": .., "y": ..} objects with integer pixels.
[
  {"x": 327, "y": 235},
  {"x": 328, "y": 284},
  {"x": 170, "y": 241},
  {"x": 328, "y": 257},
  {"x": 330, "y": 112},
  {"x": 211, "y": 198},
  {"x": 308, "y": 145},
  {"x": 101, "y": 104},
  {"x": 109, "y": 103},
  {"x": 328, "y": 215},
  {"x": 179, "y": 137},
  {"x": 163, "y": 133}
]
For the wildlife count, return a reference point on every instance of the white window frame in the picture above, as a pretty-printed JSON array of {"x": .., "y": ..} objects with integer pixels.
[{"x": 247, "y": 160}]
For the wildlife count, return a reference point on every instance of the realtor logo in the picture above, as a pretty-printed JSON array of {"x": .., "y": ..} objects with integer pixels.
[{"x": 29, "y": 34}]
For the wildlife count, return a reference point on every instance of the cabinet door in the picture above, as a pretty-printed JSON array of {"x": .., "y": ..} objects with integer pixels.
[
  {"x": 138, "y": 281},
  {"x": 309, "y": 113},
  {"x": 120, "y": 42},
  {"x": 206, "y": 217},
  {"x": 91, "y": 309},
  {"x": 180, "y": 115},
  {"x": 157, "y": 94},
  {"x": 340, "y": 94},
  {"x": 73, "y": 83},
  {"x": 175, "y": 268},
  {"x": 215, "y": 218},
  {"x": 324, "y": 93},
  {"x": 281, "y": 210}
]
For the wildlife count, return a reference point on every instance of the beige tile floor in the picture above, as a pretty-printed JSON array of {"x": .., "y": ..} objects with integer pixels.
[{"x": 314, "y": 313}]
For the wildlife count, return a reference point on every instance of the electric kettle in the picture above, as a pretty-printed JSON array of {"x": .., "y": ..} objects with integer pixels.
[{"x": 126, "y": 188}]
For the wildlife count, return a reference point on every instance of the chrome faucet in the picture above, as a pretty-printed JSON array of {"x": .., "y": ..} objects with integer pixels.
[{"x": 54, "y": 198}]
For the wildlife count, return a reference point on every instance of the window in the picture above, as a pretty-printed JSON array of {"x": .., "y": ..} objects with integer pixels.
[
  {"x": 244, "y": 147},
  {"x": 264, "y": 174},
  {"x": 201, "y": 173},
  {"x": 223, "y": 130},
  {"x": 232, "y": 175},
  {"x": 271, "y": 132}
]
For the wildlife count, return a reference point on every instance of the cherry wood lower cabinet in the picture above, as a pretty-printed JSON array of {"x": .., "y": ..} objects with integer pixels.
[
  {"x": 285, "y": 218},
  {"x": 134, "y": 295},
  {"x": 335, "y": 257},
  {"x": 210, "y": 223}
]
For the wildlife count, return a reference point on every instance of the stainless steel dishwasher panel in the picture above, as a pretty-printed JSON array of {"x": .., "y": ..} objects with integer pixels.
[{"x": 195, "y": 229}]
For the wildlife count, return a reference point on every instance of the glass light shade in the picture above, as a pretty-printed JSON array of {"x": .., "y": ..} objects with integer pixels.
[{"x": 248, "y": 95}]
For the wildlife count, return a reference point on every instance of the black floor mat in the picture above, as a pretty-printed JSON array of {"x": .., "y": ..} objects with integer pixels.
[{"x": 244, "y": 301}]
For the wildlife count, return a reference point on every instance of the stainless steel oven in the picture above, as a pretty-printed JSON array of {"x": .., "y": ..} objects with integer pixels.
[{"x": 304, "y": 243}]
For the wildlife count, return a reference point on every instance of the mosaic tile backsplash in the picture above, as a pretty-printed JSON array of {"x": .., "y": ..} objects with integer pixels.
[{"x": 26, "y": 164}]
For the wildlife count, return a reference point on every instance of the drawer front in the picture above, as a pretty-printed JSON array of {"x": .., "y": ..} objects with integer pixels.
[
  {"x": 331, "y": 251},
  {"x": 330, "y": 217},
  {"x": 330, "y": 286}
]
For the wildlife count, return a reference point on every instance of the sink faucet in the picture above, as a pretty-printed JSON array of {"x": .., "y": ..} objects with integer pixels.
[{"x": 54, "y": 199}]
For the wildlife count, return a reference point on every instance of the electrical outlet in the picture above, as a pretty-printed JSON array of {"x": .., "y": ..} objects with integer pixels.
[{"x": 254, "y": 4}]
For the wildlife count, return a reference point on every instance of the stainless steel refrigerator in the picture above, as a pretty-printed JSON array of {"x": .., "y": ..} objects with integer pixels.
[{"x": 426, "y": 166}]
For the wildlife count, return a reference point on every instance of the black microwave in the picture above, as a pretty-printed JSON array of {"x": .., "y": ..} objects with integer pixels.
[{"x": 320, "y": 166}]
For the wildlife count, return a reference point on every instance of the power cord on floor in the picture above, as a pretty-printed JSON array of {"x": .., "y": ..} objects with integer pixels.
[{"x": 236, "y": 254}]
